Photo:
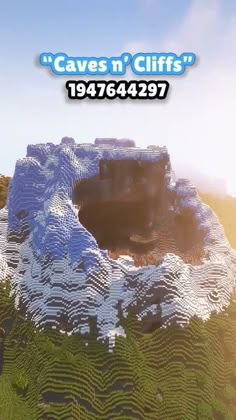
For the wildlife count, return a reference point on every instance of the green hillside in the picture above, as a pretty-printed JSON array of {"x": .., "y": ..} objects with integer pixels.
[
  {"x": 170, "y": 374},
  {"x": 175, "y": 373},
  {"x": 4, "y": 182}
]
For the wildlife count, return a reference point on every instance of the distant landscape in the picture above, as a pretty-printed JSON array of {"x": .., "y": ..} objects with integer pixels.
[{"x": 4, "y": 182}]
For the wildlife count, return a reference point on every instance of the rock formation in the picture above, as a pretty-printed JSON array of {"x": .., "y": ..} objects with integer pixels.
[{"x": 73, "y": 210}]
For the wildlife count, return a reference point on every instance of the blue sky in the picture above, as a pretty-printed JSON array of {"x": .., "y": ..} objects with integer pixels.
[
  {"x": 93, "y": 26},
  {"x": 196, "y": 122}
]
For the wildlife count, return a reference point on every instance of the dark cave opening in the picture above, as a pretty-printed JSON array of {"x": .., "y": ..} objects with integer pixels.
[
  {"x": 123, "y": 202},
  {"x": 127, "y": 209},
  {"x": 114, "y": 224}
]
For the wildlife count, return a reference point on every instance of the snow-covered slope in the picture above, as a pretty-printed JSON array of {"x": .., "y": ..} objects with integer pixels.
[{"x": 58, "y": 271}]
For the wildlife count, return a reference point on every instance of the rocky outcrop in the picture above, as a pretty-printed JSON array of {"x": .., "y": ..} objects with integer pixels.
[{"x": 69, "y": 203}]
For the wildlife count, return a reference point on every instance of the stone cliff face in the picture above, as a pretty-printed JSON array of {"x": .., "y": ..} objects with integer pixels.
[{"x": 73, "y": 207}]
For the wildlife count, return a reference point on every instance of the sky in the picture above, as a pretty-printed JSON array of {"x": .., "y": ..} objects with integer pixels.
[{"x": 196, "y": 122}]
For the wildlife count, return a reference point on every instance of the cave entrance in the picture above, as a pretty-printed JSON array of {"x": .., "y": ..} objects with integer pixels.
[
  {"x": 128, "y": 211},
  {"x": 121, "y": 206},
  {"x": 115, "y": 224}
]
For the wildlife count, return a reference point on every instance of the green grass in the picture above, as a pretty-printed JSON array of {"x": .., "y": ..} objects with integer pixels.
[
  {"x": 172, "y": 373},
  {"x": 4, "y": 183}
]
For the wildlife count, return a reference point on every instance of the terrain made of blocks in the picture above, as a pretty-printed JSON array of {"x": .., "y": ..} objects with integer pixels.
[{"x": 102, "y": 249}]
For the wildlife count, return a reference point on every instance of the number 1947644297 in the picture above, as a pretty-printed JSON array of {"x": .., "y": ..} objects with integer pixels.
[{"x": 133, "y": 89}]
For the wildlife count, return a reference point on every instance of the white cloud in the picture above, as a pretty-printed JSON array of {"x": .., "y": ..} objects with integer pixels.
[{"x": 198, "y": 122}]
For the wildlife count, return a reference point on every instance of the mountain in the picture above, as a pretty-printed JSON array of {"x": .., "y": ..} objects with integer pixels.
[
  {"x": 71, "y": 208},
  {"x": 101, "y": 249}
]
